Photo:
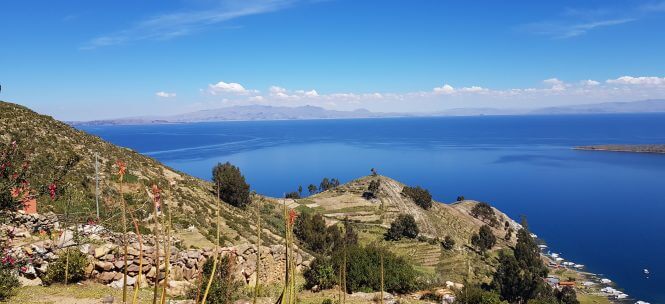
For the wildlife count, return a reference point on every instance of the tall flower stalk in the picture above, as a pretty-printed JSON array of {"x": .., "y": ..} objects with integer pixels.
[
  {"x": 138, "y": 282},
  {"x": 156, "y": 198},
  {"x": 167, "y": 259},
  {"x": 217, "y": 250},
  {"x": 258, "y": 250},
  {"x": 122, "y": 167}
]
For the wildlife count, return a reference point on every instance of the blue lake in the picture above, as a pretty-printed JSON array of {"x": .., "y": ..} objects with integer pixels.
[{"x": 602, "y": 209}]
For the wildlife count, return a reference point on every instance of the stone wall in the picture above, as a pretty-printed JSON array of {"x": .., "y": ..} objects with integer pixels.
[{"x": 37, "y": 239}]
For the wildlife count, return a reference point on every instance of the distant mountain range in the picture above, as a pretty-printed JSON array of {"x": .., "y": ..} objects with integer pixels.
[{"x": 261, "y": 112}]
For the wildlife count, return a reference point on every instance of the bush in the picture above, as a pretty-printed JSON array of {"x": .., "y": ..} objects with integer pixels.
[
  {"x": 312, "y": 232},
  {"x": 403, "y": 226},
  {"x": 363, "y": 272},
  {"x": 8, "y": 283},
  {"x": 448, "y": 243},
  {"x": 224, "y": 289},
  {"x": 320, "y": 273},
  {"x": 484, "y": 239},
  {"x": 327, "y": 301},
  {"x": 55, "y": 273},
  {"x": 460, "y": 198},
  {"x": 293, "y": 195},
  {"x": 419, "y": 195},
  {"x": 476, "y": 295},
  {"x": 232, "y": 186}
]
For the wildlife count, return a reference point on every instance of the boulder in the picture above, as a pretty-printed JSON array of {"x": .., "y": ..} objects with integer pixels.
[{"x": 103, "y": 250}]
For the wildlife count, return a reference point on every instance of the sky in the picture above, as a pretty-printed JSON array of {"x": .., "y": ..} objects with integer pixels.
[{"x": 84, "y": 60}]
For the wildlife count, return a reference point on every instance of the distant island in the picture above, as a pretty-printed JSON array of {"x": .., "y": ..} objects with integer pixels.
[
  {"x": 263, "y": 112},
  {"x": 659, "y": 148}
]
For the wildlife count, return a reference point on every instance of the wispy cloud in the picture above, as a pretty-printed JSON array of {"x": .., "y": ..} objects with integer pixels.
[
  {"x": 574, "y": 22},
  {"x": 163, "y": 94},
  {"x": 176, "y": 24}
]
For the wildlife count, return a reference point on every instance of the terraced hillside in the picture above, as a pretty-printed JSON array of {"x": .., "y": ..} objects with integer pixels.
[{"x": 374, "y": 216}]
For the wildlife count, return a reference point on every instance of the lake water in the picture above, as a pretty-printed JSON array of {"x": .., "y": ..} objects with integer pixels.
[{"x": 602, "y": 209}]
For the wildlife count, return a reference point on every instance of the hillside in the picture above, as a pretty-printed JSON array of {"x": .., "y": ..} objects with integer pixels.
[
  {"x": 60, "y": 153},
  {"x": 374, "y": 216},
  {"x": 63, "y": 154}
]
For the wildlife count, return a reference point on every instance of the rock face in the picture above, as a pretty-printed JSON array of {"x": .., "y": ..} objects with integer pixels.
[{"x": 105, "y": 255}]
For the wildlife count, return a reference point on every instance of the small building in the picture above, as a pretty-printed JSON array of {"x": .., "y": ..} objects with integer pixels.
[{"x": 566, "y": 283}]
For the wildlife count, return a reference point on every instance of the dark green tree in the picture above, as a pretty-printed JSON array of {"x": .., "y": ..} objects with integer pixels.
[
  {"x": 403, "y": 226},
  {"x": 419, "y": 195},
  {"x": 312, "y": 189},
  {"x": 232, "y": 186},
  {"x": 300, "y": 190},
  {"x": 448, "y": 243},
  {"x": 472, "y": 294},
  {"x": 567, "y": 295},
  {"x": 485, "y": 212},
  {"x": 484, "y": 239}
]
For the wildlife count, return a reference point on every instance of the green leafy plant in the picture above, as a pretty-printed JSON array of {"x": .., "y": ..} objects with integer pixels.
[
  {"x": 419, "y": 195},
  {"x": 68, "y": 267},
  {"x": 8, "y": 283}
]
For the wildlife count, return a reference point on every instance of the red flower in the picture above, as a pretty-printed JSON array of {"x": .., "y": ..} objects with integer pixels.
[
  {"x": 122, "y": 167},
  {"x": 51, "y": 190},
  {"x": 157, "y": 197},
  {"x": 292, "y": 216}
]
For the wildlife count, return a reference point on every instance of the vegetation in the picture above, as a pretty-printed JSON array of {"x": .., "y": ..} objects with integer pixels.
[
  {"x": 472, "y": 294},
  {"x": 224, "y": 288},
  {"x": 403, "y": 226},
  {"x": 311, "y": 230},
  {"x": 372, "y": 189},
  {"x": 419, "y": 195},
  {"x": 485, "y": 212},
  {"x": 448, "y": 243},
  {"x": 312, "y": 189},
  {"x": 232, "y": 186},
  {"x": 520, "y": 277},
  {"x": 327, "y": 184},
  {"x": 293, "y": 195},
  {"x": 484, "y": 239},
  {"x": 320, "y": 273},
  {"x": 8, "y": 282},
  {"x": 363, "y": 271},
  {"x": 460, "y": 198},
  {"x": 69, "y": 267}
]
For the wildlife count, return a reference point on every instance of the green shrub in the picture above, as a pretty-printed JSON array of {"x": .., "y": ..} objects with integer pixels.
[
  {"x": 363, "y": 271},
  {"x": 224, "y": 289},
  {"x": 484, "y": 239},
  {"x": 327, "y": 301},
  {"x": 320, "y": 273},
  {"x": 232, "y": 186},
  {"x": 476, "y": 295},
  {"x": 55, "y": 273},
  {"x": 448, "y": 243},
  {"x": 419, "y": 195},
  {"x": 8, "y": 283},
  {"x": 403, "y": 226}
]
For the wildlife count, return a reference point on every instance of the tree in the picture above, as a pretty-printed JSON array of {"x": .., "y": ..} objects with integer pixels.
[
  {"x": 485, "y": 212},
  {"x": 312, "y": 189},
  {"x": 419, "y": 195},
  {"x": 232, "y": 186},
  {"x": 372, "y": 189},
  {"x": 403, "y": 226},
  {"x": 324, "y": 185},
  {"x": 460, "y": 198},
  {"x": 293, "y": 195},
  {"x": 448, "y": 243},
  {"x": 519, "y": 277},
  {"x": 300, "y": 190},
  {"x": 484, "y": 239},
  {"x": 567, "y": 295},
  {"x": 311, "y": 230}
]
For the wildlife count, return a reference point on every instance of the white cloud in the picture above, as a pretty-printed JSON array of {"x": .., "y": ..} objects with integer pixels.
[
  {"x": 163, "y": 94},
  {"x": 473, "y": 89},
  {"x": 230, "y": 88},
  {"x": 590, "y": 83},
  {"x": 555, "y": 84},
  {"x": 445, "y": 89},
  {"x": 644, "y": 81}
]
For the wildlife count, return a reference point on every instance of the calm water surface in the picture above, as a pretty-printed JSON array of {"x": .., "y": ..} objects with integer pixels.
[{"x": 602, "y": 209}]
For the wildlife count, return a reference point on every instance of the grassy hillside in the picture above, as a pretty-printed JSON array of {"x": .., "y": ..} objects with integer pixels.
[{"x": 60, "y": 153}]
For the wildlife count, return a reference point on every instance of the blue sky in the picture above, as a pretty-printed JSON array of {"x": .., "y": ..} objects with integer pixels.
[{"x": 101, "y": 59}]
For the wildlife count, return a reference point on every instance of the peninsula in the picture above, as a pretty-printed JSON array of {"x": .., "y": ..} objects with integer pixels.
[{"x": 656, "y": 148}]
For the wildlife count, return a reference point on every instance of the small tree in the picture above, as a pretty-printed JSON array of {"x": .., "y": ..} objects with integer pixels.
[
  {"x": 312, "y": 189},
  {"x": 460, "y": 198},
  {"x": 485, "y": 212},
  {"x": 300, "y": 190},
  {"x": 471, "y": 294},
  {"x": 448, "y": 243},
  {"x": 224, "y": 288},
  {"x": 293, "y": 195},
  {"x": 232, "y": 186},
  {"x": 419, "y": 195},
  {"x": 484, "y": 239},
  {"x": 372, "y": 189},
  {"x": 69, "y": 267},
  {"x": 403, "y": 226}
]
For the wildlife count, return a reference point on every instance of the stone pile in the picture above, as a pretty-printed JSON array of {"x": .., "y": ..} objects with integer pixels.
[{"x": 104, "y": 249}]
